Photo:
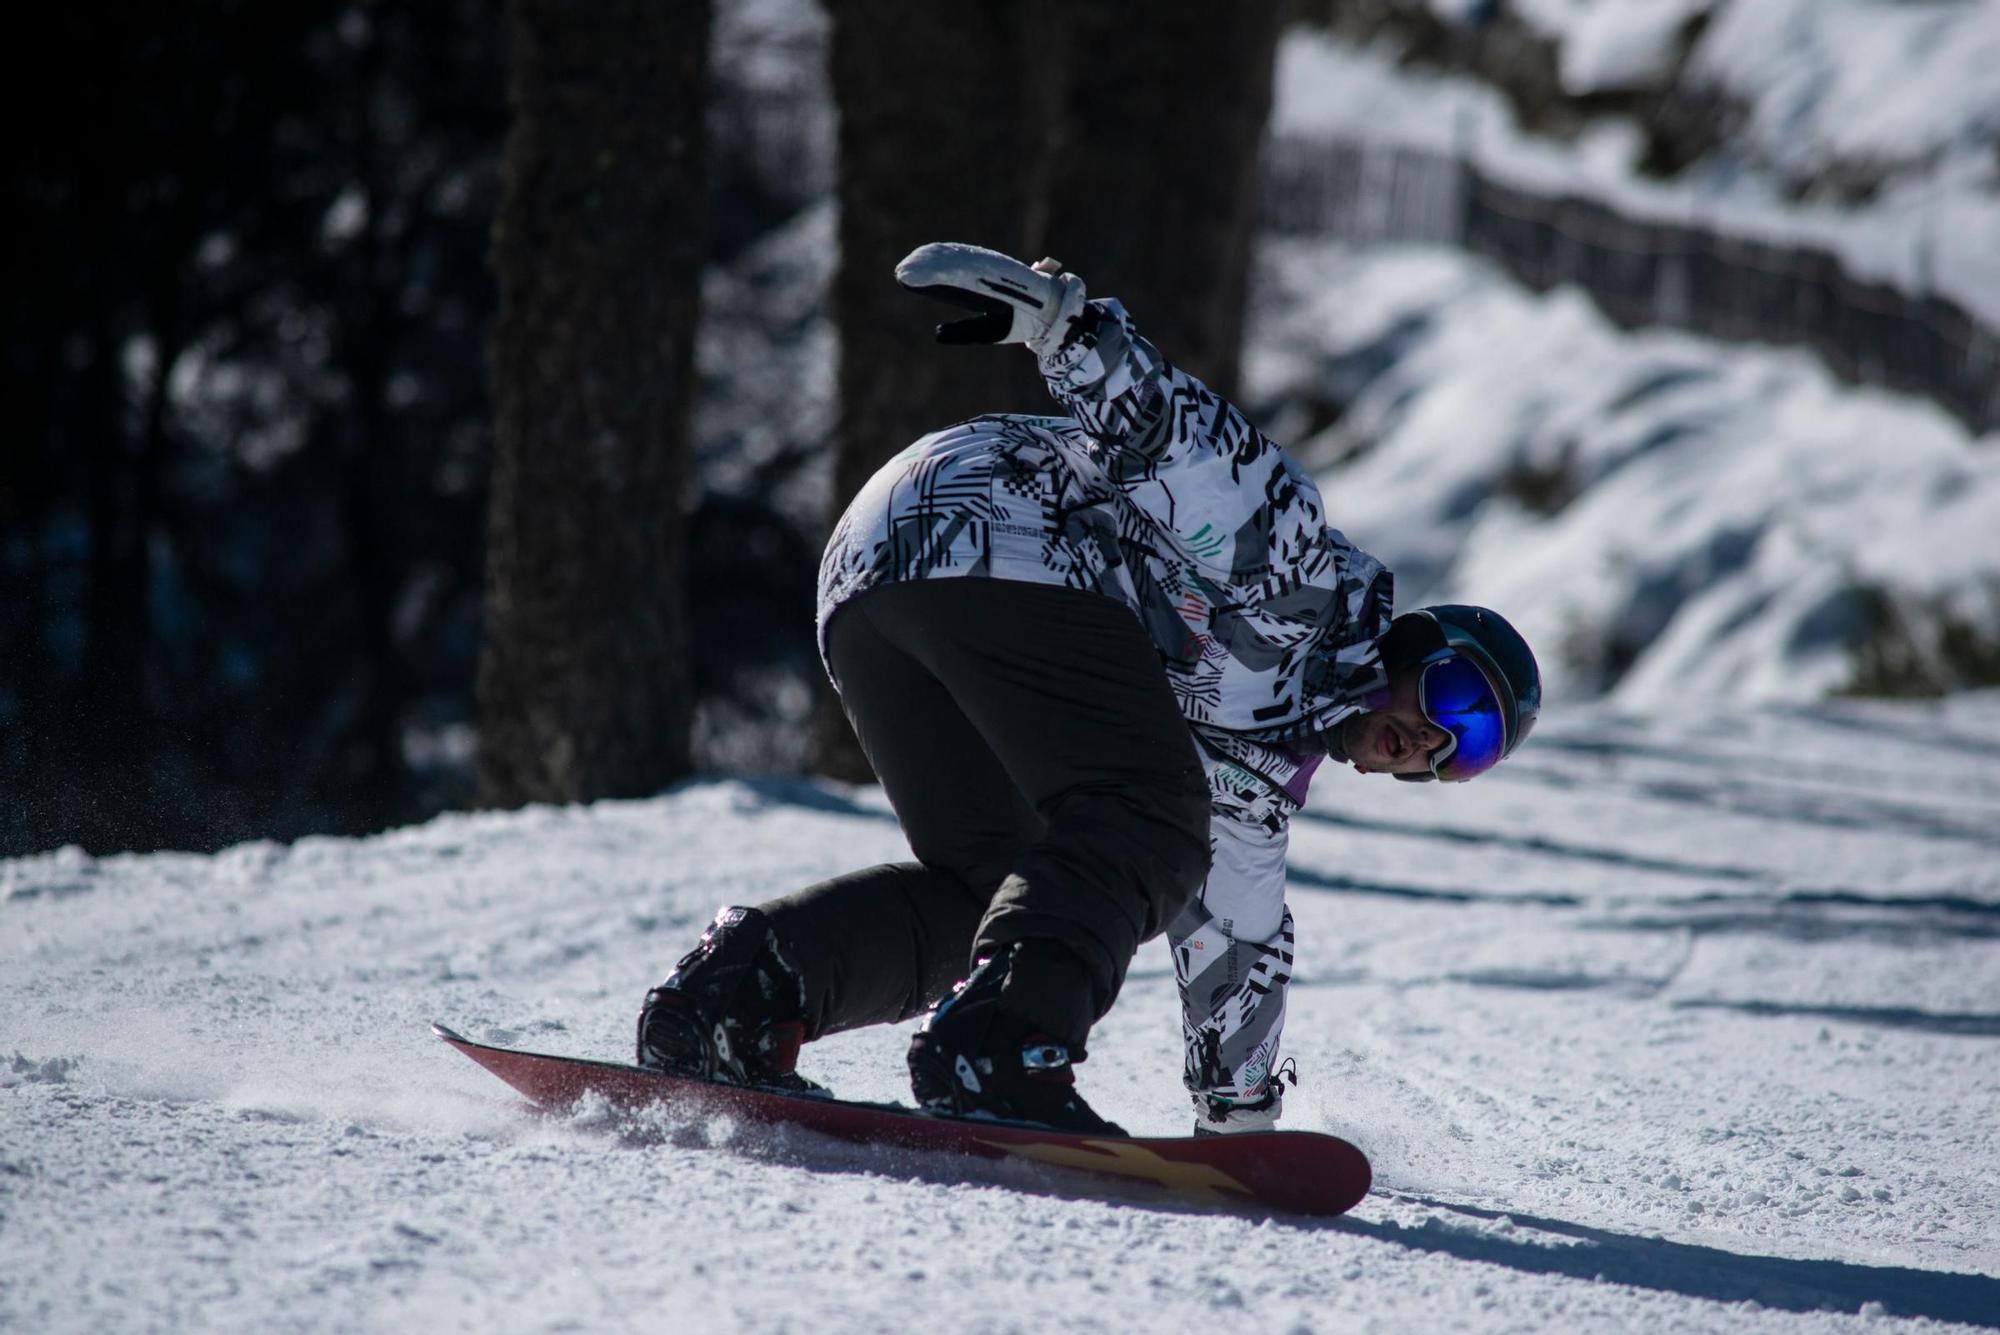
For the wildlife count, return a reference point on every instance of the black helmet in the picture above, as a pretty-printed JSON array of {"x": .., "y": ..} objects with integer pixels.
[{"x": 1494, "y": 646}]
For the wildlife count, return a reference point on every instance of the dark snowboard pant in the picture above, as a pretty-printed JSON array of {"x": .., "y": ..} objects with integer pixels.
[{"x": 1040, "y": 767}]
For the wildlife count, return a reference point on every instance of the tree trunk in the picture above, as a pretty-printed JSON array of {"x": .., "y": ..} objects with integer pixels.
[
  {"x": 598, "y": 251},
  {"x": 945, "y": 121},
  {"x": 1155, "y": 181}
]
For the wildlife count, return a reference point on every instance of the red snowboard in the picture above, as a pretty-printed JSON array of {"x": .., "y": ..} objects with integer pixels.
[{"x": 1301, "y": 1171}]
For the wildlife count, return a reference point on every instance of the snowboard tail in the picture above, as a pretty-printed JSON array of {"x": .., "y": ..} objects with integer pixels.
[{"x": 1302, "y": 1171}]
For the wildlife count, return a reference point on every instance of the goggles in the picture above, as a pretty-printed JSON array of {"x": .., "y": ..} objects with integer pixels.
[{"x": 1456, "y": 695}]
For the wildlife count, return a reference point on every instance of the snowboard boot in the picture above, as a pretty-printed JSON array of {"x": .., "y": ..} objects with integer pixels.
[
  {"x": 733, "y": 1010},
  {"x": 974, "y": 1057},
  {"x": 1215, "y": 1115}
]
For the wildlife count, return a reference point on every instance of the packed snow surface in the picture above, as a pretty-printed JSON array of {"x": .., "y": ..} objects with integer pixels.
[{"x": 1663, "y": 1026}]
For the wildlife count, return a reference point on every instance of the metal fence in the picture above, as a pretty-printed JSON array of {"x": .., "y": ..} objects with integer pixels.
[{"x": 1643, "y": 272}]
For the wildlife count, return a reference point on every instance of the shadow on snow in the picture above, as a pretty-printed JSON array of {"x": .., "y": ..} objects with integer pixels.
[
  {"x": 1688, "y": 1269},
  {"x": 1805, "y": 924},
  {"x": 1531, "y": 1244},
  {"x": 1537, "y": 844},
  {"x": 1957, "y": 1025},
  {"x": 809, "y": 794},
  {"x": 1789, "y": 803},
  {"x": 1307, "y": 878}
]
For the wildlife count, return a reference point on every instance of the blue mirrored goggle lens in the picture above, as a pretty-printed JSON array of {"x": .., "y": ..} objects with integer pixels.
[{"x": 1457, "y": 697}]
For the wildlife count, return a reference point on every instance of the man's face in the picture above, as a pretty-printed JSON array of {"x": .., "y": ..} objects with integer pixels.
[{"x": 1396, "y": 739}]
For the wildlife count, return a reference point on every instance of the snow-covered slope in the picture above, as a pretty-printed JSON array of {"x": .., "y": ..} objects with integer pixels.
[
  {"x": 1680, "y": 1026},
  {"x": 1665, "y": 517},
  {"x": 1890, "y": 85},
  {"x": 1931, "y": 226}
]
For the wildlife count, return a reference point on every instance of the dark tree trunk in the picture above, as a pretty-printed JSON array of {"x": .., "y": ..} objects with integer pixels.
[
  {"x": 598, "y": 251},
  {"x": 116, "y": 712},
  {"x": 945, "y": 120},
  {"x": 107, "y": 803},
  {"x": 378, "y": 560},
  {"x": 1154, "y": 193}
]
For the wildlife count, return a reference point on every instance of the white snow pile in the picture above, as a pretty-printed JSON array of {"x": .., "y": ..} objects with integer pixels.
[
  {"x": 1661, "y": 1027},
  {"x": 1822, "y": 82},
  {"x": 1614, "y": 47},
  {"x": 1822, "y": 86},
  {"x": 1666, "y": 518},
  {"x": 1891, "y": 82}
]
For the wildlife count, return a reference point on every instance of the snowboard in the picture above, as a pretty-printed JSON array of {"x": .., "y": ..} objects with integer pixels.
[{"x": 1300, "y": 1171}]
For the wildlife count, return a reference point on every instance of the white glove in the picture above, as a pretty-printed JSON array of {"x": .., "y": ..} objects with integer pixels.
[{"x": 1037, "y": 306}]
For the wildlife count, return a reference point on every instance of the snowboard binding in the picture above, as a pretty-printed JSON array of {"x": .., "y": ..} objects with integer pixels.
[
  {"x": 732, "y": 1010},
  {"x": 975, "y": 1058}
]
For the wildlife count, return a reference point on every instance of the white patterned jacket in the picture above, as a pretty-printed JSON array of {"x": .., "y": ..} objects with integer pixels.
[{"x": 1157, "y": 492}]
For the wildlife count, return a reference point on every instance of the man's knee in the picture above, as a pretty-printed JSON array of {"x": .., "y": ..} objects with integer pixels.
[
  {"x": 1152, "y": 837},
  {"x": 1185, "y": 857},
  {"x": 973, "y": 869}
]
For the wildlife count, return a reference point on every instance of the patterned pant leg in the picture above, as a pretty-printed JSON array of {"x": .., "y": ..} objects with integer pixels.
[{"x": 1233, "y": 957}]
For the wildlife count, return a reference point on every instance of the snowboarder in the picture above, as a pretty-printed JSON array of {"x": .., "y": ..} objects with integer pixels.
[{"x": 1094, "y": 661}]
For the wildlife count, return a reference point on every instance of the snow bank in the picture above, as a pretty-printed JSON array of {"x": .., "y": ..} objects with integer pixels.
[
  {"x": 1615, "y": 47},
  {"x": 1929, "y": 229},
  {"x": 1865, "y": 80},
  {"x": 1897, "y": 84},
  {"x": 1666, "y": 518},
  {"x": 1883, "y": 82}
]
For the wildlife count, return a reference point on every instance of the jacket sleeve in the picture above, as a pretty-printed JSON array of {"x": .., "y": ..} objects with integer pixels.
[
  {"x": 1110, "y": 379},
  {"x": 1233, "y": 958},
  {"x": 1132, "y": 399}
]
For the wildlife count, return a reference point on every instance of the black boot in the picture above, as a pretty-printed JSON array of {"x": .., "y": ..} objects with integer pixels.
[
  {"x": 975, "y": 1057},
  {"x": 732, "y": 1010}
]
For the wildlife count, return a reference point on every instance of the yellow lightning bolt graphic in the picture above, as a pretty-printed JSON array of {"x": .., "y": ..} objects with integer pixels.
[{"x": 1128, "y": 1160}]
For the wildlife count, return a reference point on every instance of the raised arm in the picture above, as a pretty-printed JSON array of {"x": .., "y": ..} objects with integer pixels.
[
  {"x": 1096, "y": 363},
  {"x": 1151, "y": 413},
  {"x": 1237, "y": 499}
]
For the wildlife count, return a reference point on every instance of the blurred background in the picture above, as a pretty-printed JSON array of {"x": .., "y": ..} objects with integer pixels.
[{"x": 418, "y": 405}]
